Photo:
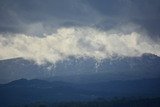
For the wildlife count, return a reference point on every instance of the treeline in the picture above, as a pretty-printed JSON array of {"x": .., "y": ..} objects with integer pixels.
[{"x": 154, "y": 102}]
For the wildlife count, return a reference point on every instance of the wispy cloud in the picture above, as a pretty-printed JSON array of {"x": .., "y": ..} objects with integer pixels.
[{"x": 77, "y": 42}]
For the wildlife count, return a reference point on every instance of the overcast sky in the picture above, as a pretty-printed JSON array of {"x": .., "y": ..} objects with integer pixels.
[{"x": 45, "y": 16}]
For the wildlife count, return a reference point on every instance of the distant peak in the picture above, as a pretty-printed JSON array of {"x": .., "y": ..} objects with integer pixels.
[
  {"x": 19, "y": 81},
  {"x": 149, "y": 55}
]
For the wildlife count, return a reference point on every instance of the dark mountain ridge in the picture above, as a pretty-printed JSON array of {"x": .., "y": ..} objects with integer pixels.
[
  {"x": 117, "y": 68},
  {"x": 27, "y": 91}
]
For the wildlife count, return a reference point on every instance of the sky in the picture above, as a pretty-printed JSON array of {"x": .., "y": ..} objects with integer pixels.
[{"x": 52, "y": 30}]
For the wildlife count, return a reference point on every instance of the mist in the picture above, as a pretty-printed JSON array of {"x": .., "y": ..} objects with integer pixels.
[{"x": 78, "y": 42}]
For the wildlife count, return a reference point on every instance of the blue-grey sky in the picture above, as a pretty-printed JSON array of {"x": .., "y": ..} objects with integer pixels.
[{"x": 44, "y": 16}]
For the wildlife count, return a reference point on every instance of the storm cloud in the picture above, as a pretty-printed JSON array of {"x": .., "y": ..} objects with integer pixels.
[{"x": 38, "y": 17}]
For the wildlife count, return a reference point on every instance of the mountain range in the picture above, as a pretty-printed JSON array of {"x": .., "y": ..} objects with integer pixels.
[
  {"x": 23, "y": 81},
  {"x": 24, "y": 91},
  {"x": 82, "y": 69}
]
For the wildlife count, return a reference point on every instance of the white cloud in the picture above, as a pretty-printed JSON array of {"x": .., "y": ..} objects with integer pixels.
[{"x": 78, "y": 42}]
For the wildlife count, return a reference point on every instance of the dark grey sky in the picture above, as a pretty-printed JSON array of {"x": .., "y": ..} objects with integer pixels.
[{"x": 44, "y": 16}]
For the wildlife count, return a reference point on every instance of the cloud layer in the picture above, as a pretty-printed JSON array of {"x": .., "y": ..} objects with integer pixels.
[{"x": 77, "y": 42}]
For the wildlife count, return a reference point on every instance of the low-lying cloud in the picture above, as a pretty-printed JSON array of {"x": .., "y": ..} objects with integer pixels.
[{"x": 78, "y": 42}]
